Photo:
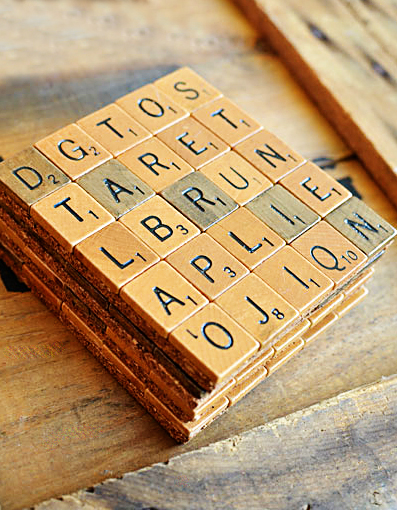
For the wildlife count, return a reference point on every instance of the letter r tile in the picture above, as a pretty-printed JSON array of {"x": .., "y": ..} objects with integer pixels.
[
  {"x": 73, "y": 151},
  {"x": 70, "y": 215},
  {"x": 115, "y": 255}
]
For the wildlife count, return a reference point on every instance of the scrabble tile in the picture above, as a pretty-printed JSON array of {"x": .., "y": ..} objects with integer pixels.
[
  {"x": 351, "y": 301},
  {"x": 247, "y": 237},
  {"x": 73, "y": 151},
  {"x": 359, "y": 281},
  {"x": 236, "y": 177},
  {"x": 227, "y": 120},
  {"x": 246, "y": 385},
  {"x": 269, "y": 155},
  {"x": 207, "y": 265},
  {"x": 160, "y": 226},
  {"x": 214, "y": 343},
  {"x": 30, "y": 176},
  {"x": 319, "y": 328},
  {"x": 259, "y": 361},
  {"x": 187, "y": 88},
  {"x": 291, "y": 336},
  {"x": 316, "y": 188},
  {"x": 193, "y": 142},
  {"x": 114, "y": 129},
  {"x": 330, "y": 252},
  {"x": 295, "y": 279},
  {"x": 284, "y": 355},
  {"x": 282, "y": 212},
  {"x": 258, "y": 308},
  {"x": 70, "y": 215},
  {"x": 362, "y": 226},
  {"x": 162, "y": 297},
  {"x": 115, "y": 255},
  {"x": 115, "y": 187},
  {"x": 323, "y": 311},
  {"x": 199, "y": 199},
  {"x": 156, "y": 164},
  {"x": 152, "y": 108},
  {"x": 215, "y": 398}
]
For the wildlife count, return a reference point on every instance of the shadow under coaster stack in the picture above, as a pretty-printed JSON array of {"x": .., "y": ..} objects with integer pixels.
[{"x": 188, "y": 248}]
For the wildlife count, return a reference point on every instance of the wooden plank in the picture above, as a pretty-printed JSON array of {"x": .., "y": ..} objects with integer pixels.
[
  {"x": 346, "y": 70},
  {"x": 275, "y": 466}
]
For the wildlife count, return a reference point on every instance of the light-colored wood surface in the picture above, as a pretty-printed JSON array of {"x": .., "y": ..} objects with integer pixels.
[
  {"x": 342, "y": 52},
  {"x": 66, "y": 423}
]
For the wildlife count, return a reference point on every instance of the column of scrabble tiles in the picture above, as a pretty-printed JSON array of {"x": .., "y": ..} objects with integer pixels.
[{"x": 191, "y": 250}]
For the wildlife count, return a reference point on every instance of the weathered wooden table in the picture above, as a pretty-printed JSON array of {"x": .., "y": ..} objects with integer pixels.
[{"x": 65, "y": 424}]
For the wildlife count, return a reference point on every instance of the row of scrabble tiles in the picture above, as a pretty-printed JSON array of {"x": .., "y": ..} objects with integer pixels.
[{"x": 126, "y": 253}]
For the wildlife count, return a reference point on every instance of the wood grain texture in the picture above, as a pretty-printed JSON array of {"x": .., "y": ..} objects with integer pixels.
[
  {"x": 268, "y": 468},
  {"x": 65, "y": 422},
  {"x": 346, "y": 65}
]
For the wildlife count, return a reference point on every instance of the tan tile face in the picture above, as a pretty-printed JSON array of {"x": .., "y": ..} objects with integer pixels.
[
  {"x": 70, "y": 215},
  {"x": 31, "y": 176},
  {"x": 227, "y": 120},
  {"x": 193, "y": 142},
  {"x": 246, "y": 237},
  {"x": 155, "y": 164},
  {"x": 284, "y": 213},
  {"x": 114, "y": 129},
  {"x": 214, "y": 343},
  {"x": 115, "y": 187},
  {"x": 330, "y": 252},
  {"x": 73, "y": 151},
  {"x": 269, "y": 155},
  {"x": 152, "y": 108},
  {"x": 187, "y": 88},
  {"x": 361, "y": 225},
  {"x": 163, "y": 297},
  {"x": 207, "y": 265},
  {"x": 115, "y": 255},
  {"x": 236, "y": 177},
  {"x": 160, "y": 226},
  {"x": 316, "y": 188},
  {"x": 199, "y": 199},
  {"x": 258, "y": 308},
  {"x": 294, "y": 278}
]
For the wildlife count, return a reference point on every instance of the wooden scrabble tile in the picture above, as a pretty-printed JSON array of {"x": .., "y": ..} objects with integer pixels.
[
  {"x": 362, "y": 226},
  {"x": 160, "y": 226},
  {"x": 323, "y": 311},
  {"x": 115, "y": 187},
  {"x": 283, "y": 212},
  {"x": 319, "y": 328},
  {"x": 246, "y": 385},
  {"x": 236, "y": 177},
  {"x": 284, "y": 355},
  {"x": 207, "y": 265},
  {"x": 162, "y": 297},
  {"x": 187, "y": 88},
  {"x": 247, "y": 237},
  {"x": 41, "y": 289},
  {"x": 316, "y": 188},
  {"x": 214, "y": 343},
  {"x": 193, "y": 142},
  {"x": 203, "y": 408},
  {"x": 114, "y": 129},
  {"x": 227, "y": 120},
  {"x": 269, "y": 155},
  {"x": 258, "y": 308},
  {"x": 152, "y": 108},
  {"x": 156, "y": 164},
  {"x": 73, "y": 151},
  {"x": 199, "y": 199},
  {"x": 259, "y": 361},
  {"x": 359, "y": 281},
  {"x": 81, "y": 325},
  {"x": 114, "y": 255},
  {"x": 70, "y": 215},
  {"x": 30, "y": 176},
  {"x": 291, "y": 336},
  {"x": 351, "y": 301},
  {"x": 330, "y": 252},
  {"x": 292, "y": 276}
]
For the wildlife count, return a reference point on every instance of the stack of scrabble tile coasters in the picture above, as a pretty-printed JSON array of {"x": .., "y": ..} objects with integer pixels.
[{"x": 188, "y": 248}]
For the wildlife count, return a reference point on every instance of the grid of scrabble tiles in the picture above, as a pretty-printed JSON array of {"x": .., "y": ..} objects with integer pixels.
[{"x": 208, "y": 231}]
